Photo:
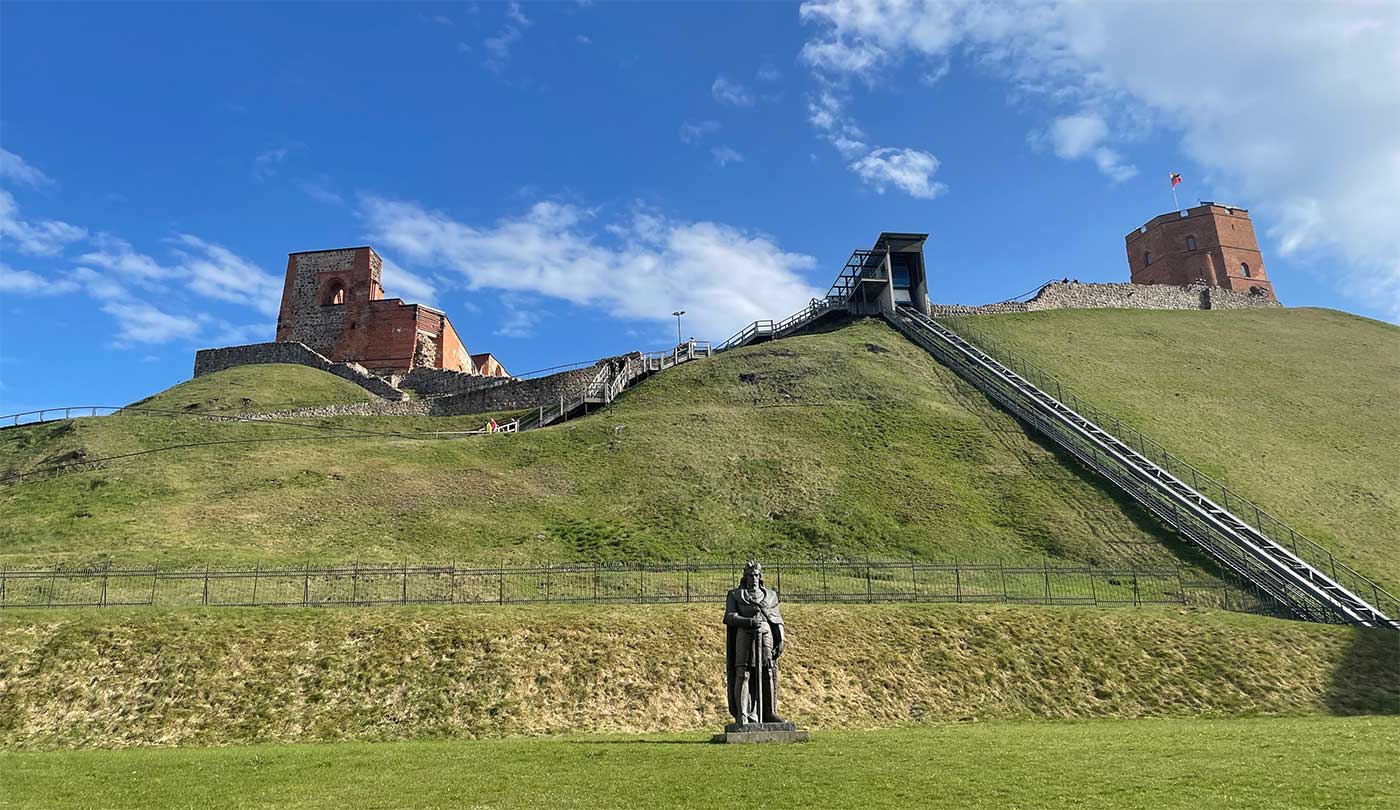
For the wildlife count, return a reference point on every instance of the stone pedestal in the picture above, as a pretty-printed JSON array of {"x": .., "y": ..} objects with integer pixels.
[{"x": 761, "y": 733}]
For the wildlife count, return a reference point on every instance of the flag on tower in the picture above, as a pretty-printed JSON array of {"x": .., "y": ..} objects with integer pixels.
[{"x": 1176, "y": 179}]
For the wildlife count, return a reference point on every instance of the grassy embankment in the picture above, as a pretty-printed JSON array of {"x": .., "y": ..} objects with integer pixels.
[
  {"x": 125, "y": 677},
  {"x": 853, "y": 442},
  {"x": 1296, "y": 409},
  {"x": 1273, "y": 764}
]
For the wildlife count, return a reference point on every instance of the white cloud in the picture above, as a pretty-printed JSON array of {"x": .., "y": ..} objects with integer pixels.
[
  {"x": 142, "y": 322},
  {"x": 909, "y": 170},
  {"x": 1289, "y": 111},
  {"x": 726, "y": 91},
  {"x": 44, "y": 237},
  {"x": 768, "y": 72},
  {"x": 499, "y": 46},
  {"x": 692, "y": 131},
  {"x": 138, "y": 321},
  {"x": 23, "y": 282},
  {"x": 400, "y": 283},
  {"x": 321, "y": 194},
  {"x": 1082, "y": 135},
  {"x": 16, "y": 170},
  {"x": 725, "y": 155},
  {"x": 641, "y": 267},
  {"x": 214, "y": 271},
  {"x": 518, "y": 321},
  {"x": 117, "y": 256},
  {"x": 266, "y": 163}
]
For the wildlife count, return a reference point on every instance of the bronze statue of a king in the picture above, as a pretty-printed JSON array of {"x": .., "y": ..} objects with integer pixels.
[{"x": 754, "y": 643}]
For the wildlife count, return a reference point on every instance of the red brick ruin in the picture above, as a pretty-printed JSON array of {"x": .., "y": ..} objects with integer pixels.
[
  {"x": 334, "y": 303},
  {"x": 1210, "y": 244}
]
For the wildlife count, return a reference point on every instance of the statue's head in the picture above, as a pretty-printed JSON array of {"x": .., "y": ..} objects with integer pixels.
[{"x": 753, "y": 574}]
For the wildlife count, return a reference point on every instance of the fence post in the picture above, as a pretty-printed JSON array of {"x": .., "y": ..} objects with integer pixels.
[
  {"x": 1093, "y": 587},
  {"x": 1046, "y": 565},
  {"x": 914, "y": 577},
  {"x": 595, "y": 582},
  {"x": 1181, "y": 584},
  {"x": 306, "y": 585},
  {"x": 257, "y": 567},
  {"x": 206, "y": 584},
  {"x": 957, "y": 584},
  {"x": 104, "y": 584},
  {"x": 1005, "y": 595},
  {"x": 501, "y": 596},
  {"x": 687, "y": 582},
  {"x": 403, "y": 595},
  {"x": 869, "y": 597},
  {"x": 1137, "y": 595}
]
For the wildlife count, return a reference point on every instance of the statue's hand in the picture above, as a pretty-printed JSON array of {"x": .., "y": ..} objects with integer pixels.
[
  {"x": 777, "y": 652},
  {"x": 755, "y": 622}
]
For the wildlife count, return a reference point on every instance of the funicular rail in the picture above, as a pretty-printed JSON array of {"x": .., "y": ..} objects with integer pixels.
[{"x": 1302, "y": 588}]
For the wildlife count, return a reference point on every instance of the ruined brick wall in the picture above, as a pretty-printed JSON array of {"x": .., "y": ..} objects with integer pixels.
[
  {"x": 1074, "y": 295},
  {"x": 454, "y": 356}
]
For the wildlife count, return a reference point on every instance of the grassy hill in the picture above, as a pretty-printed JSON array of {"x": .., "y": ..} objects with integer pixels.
[
  {"x": 125, "y": 677},
  {"x": 270, "y": 387},
  {"x": 851, "y": 442},
  {"x": 1297, "y": 409}
]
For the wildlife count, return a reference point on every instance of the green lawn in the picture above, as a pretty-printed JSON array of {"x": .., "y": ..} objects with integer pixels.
[
  {"x": 1262, "y": 763},
  {"x": 852, "y": 442},
  {"x": 1297, "y": 409}
]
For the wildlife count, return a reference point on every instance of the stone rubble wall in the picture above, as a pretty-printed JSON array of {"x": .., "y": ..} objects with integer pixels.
[
  {"x": 521, "y": 394},
  {"x": 207, "y": 361},
  {"x": 405, "y": 407},
  {"x": 431, "y": 382},
  {"x": 1077, "y": 295}
]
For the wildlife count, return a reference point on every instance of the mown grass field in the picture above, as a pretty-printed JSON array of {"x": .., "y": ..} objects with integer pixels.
[
  {"x": 848, "y": 443},
  {"x": 141, "y": 677},
  {"x": 1278, "y": 764},
  {"x": 1297, "y": 409},
  {"x": 271, "y": 387}
]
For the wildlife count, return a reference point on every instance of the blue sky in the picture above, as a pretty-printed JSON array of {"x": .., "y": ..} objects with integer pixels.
[{"x": 560, "y": 177}]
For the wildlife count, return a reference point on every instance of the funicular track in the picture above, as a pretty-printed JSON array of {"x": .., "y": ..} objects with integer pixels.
[{"x": 1298, "y": 584}]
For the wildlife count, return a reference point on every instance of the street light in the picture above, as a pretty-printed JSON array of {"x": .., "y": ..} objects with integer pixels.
[{"x": 678, "y": 313}]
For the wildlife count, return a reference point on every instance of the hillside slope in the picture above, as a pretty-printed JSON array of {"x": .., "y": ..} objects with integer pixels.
[
  {"x": 851, "y": 442},
  {"x": 148, "y": 677},
  {"x": 1297, "y": 409},
  {"x": 269, "y": 387}
]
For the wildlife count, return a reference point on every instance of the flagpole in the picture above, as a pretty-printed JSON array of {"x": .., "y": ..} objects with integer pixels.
[{"x": 1174, "y": 200}]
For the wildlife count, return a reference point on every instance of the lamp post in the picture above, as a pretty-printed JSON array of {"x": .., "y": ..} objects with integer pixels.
[{"x": 678, "y": 313}]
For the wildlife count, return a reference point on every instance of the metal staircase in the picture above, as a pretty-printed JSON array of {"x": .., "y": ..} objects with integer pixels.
[
  {"x": 1306, "y": 579},
  {"x": 761, "y": 331},
  {"x": 611, "y": 380}
]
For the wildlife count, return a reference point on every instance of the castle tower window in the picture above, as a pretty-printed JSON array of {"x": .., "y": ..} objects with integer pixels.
[
  {"x": 1244, "y": 268},
  {"x": 335, "y": 294},
  {"x": 1147, "y": 257},
  {"x": 1190, "y": 243}
]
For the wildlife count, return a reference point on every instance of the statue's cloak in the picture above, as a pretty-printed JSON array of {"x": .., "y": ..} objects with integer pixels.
[{"x": 740, "y": 601}]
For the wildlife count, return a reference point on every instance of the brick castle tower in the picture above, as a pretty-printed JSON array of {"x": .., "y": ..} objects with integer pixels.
[
  {"x": 333, "y": 302},
  {"x": 1210, "y": 244}
]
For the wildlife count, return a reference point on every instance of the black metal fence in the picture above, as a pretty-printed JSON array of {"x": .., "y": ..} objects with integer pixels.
[{"x": 810, "y": 581}]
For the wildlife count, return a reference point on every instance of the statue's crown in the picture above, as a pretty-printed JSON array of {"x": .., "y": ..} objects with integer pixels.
[{"x": 752, "y": 567}]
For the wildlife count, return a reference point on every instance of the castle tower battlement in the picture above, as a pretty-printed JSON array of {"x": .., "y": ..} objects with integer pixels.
[{"x": 1212, "y": 244}]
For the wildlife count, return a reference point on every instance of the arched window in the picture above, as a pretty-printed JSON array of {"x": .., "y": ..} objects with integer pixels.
[
  {"x": 1244, "y": 268},
  {"x": 1147, "y": 258},
  {"x": 335, "y": 293},
  {"x": 1190, "y": 243}
]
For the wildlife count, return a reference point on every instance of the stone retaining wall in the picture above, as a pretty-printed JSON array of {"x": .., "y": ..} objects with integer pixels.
[
  {"x": 1076, "y": 295},
  {"x": 207, "y": 361},
  {"x": 430, "y": 382},
  {"x": 521, "y": 394}
]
